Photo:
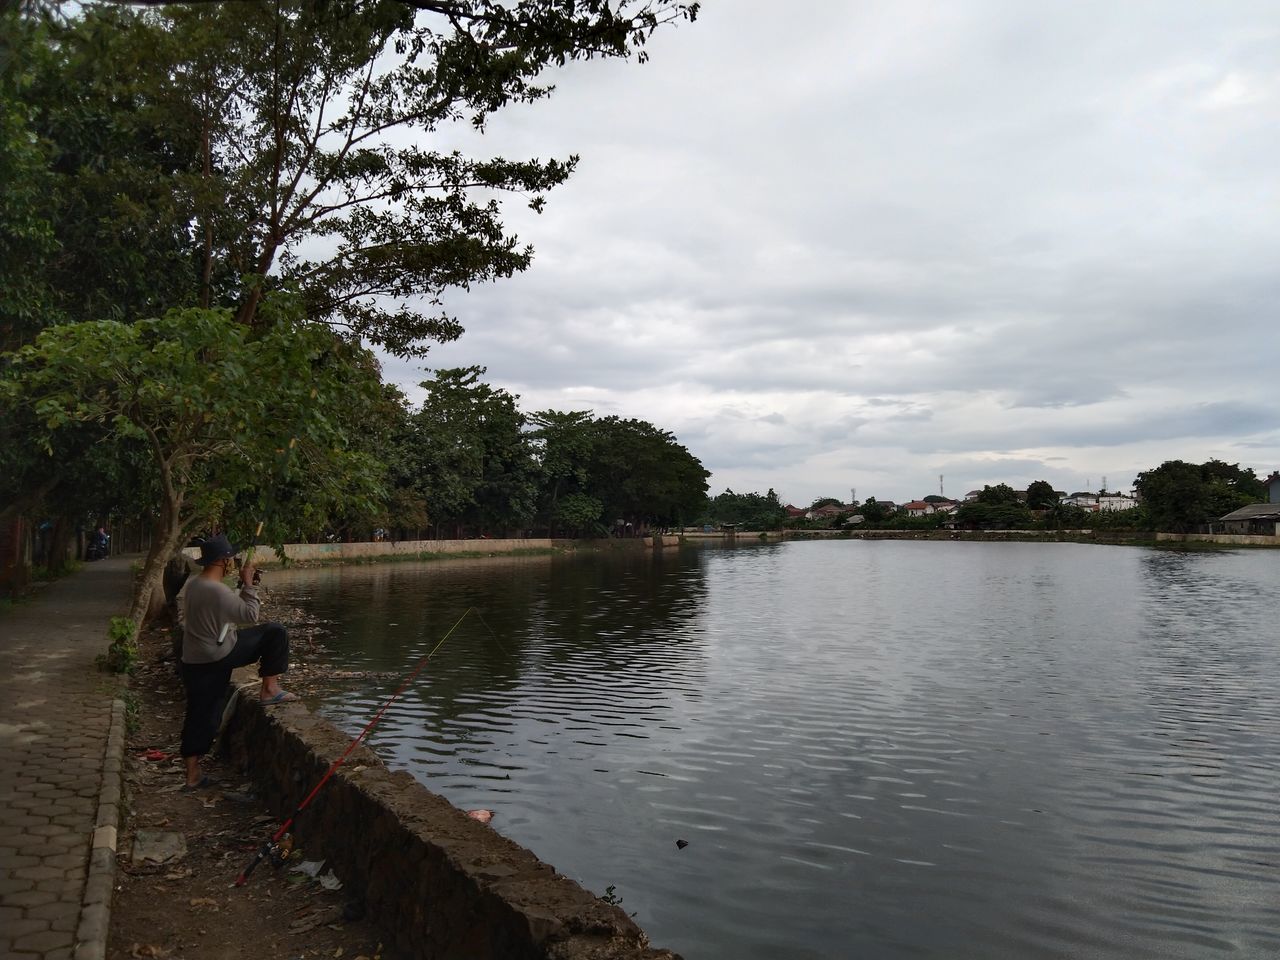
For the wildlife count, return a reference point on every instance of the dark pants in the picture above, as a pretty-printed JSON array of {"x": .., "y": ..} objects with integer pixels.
[{"x": 266, "y": 644}]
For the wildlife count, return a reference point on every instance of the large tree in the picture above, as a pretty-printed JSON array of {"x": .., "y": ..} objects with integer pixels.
[
  {"x": 1180, "y": 496},
  {"x": 602, "y": 473},
  {"x": 1041, "y": 495},
  {"x": 307, "y": 144},
  {"x": 642, "y": 474},
  {"x": 221, "y": 416},
  {"x": 875, "y": 512},
  {"x": 753, "y": 511},
  {"x": 466, "y": 454},
  {"x": 562, "y": 444}
]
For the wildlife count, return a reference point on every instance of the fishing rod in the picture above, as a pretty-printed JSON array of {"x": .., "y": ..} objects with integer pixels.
[{"x": 270, "y": 846}]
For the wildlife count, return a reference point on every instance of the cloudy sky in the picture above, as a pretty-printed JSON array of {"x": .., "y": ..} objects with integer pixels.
[{"x": 841, "y": 245}]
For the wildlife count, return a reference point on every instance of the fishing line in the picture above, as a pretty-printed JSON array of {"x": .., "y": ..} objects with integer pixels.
[
  {"x": 271, "y": 846},
  {"x": 501, "y": 645}
]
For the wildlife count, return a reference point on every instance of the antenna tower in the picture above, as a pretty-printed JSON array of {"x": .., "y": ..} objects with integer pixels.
[{"x": 941, "y": 493}]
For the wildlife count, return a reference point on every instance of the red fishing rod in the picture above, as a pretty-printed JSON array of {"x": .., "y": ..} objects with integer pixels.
[{"x": 269, "y": 847}]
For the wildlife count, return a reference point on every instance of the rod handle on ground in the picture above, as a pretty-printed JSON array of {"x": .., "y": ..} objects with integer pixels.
[{"x": 263, "y": 852}]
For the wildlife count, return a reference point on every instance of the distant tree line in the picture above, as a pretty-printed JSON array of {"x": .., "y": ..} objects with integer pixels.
[
  {"x": 1174, "y": 497},
  {"x": 747, "y": 511},
  {"x": 468, "y": 462}
]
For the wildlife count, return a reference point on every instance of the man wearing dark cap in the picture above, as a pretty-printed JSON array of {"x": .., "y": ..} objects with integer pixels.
[{"x": 213, "y": 645}]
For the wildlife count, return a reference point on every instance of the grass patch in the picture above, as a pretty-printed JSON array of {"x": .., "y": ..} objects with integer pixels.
[
  {"x": 132, "y": 712},
  {"x": 122, "y": 652}
]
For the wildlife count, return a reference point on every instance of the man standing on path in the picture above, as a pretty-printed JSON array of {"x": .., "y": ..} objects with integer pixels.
[{"x": 213, "y": 646}]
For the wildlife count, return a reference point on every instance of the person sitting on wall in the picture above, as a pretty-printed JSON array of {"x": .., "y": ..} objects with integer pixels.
[{"x": 213, "y": 646}]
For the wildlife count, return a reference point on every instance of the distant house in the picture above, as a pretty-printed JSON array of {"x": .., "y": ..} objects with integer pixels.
[
  {"x": 945, "y": 506},
  {"x": 1273, "y": 487},
  {"x": 794, "y": 512},
  {"x": 1257, "y": 519},
  {"x": 1116, "y": 501},
  {"x": 1085, "y": 501},
  {"x": 918, "y": 508},
  {"x": 973, "y": 495},
  {"x": 828, "y": 511}
]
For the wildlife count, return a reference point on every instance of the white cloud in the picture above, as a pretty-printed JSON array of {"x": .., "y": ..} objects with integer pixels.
[{"x": 873, "y": 243}]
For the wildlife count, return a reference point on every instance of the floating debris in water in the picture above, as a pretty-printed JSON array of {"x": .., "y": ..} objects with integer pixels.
[{"x": 681, "y": 844}]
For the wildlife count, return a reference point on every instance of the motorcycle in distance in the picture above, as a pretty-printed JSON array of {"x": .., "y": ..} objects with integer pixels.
[{"x": 99, "y": 547}]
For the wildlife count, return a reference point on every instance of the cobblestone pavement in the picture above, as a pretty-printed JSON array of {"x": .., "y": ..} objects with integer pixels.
[{"x": 56, "y": 716}]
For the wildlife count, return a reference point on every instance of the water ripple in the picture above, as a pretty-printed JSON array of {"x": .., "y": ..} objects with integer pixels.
[{"x": 886, "y": 749}]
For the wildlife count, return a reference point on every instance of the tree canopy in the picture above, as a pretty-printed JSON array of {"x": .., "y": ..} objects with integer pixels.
[
  {"x": 751, "y": 511},
  {"x": 213, "y": 414},
  {"x": 1180, "y": 496},
  {"x": 481, "y": 466},
  {"x": 1000, "y": 493},
  {"x": 233, "y": 149},
  {"x": 1041, "y": 495},
  {"x": 467, "y": 456}
]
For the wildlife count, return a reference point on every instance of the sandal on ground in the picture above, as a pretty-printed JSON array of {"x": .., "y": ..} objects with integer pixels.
[{"x": 284, "y": 696}]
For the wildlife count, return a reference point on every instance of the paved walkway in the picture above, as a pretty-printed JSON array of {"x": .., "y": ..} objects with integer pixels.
[{"x": 60, "y": 743}]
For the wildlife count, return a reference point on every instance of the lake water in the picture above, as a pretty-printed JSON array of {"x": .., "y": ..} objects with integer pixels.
[{"x": 874, "y": 749}]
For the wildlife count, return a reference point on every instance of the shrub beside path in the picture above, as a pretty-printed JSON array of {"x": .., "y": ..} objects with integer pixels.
[{"x": 61, "y": 741}]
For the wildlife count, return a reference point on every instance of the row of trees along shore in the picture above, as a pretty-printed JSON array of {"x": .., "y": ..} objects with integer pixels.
[
  {"x": 211, "y": 212},
  {"x": 1175, "y": 497}
]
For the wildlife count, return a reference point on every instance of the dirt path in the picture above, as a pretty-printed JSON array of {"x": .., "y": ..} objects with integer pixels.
[{"x": 187, "y": 906}]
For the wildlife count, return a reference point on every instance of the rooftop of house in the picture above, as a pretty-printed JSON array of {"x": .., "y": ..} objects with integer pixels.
[{"x": 1254, "y": 511}]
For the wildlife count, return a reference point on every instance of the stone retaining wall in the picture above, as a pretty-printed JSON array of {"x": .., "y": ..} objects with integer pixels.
[
  {"x": 338, "y": 552},
  {"x": 1235, "y": 539},
  {"x": 439, "y": 883}
]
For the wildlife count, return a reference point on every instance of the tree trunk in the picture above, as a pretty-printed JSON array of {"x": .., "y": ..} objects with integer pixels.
[
  {"x": 148, "y": 595},
  {"x": 59, "y": 546}
]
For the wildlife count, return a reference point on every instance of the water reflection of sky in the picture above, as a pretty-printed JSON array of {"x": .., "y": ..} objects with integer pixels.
[{"x": 881, "y": 749}]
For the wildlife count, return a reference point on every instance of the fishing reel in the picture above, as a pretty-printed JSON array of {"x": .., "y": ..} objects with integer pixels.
[
  {"x": 257, "y": 576},
  {"x": 280, "y": 851}
]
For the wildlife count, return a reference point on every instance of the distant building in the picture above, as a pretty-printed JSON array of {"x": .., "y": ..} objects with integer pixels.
[
  {"x": 1085, "y": 501},
  {"x": 1273, "y": 487},
  {"x": 1100, "y": 502},
  {"x": 1116, "y": 501},
  {"x": 1257, "y": 519},
  {"x": 919, "y": 508},
  {"x": 830, "y": 510}
]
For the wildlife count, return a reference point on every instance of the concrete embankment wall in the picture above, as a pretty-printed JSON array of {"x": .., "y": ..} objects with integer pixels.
[
  {"x": 423, "y": 549},
  {"x": 338, "y": 552},
  {"x": 1236, "y": 539},
  {"x": 440, "y": 883}
]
